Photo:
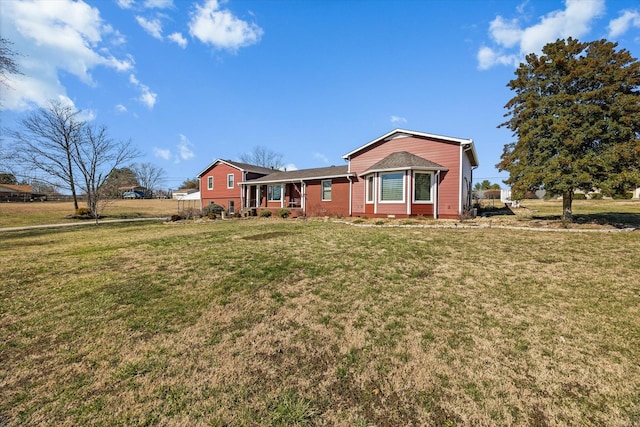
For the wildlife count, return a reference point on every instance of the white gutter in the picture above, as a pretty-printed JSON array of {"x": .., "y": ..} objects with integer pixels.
[
  {"x": 436, "y": 199},
  {"x": 351, "y": 195},
  {"x": 460, "y": 182}
]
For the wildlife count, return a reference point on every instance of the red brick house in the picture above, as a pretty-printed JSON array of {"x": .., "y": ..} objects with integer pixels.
[
  {"x": 406, "y": 173},
  {"x": 402, "y": 173},
  {"x": 220, "y": 183}
]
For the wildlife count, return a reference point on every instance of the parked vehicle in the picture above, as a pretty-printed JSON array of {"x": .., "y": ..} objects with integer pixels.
[{"x": 132, "y": 195}]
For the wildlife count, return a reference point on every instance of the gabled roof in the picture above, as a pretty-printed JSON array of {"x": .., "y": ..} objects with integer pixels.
[
  {"x": 403, "y": 160},
  {"x": 244, "y": 167},
  {"x": 468, "y": 143},
  {"x": 302, "y": 175},
  {"x": 11, "y": 188}
]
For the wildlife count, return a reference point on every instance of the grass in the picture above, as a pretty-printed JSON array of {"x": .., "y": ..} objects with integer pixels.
[
  {"x": 36, "y": 213},
  {"x": 290, "y": 322}
]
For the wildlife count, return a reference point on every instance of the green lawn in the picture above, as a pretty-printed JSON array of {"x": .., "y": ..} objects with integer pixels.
[{"x": 292, "y": 322}]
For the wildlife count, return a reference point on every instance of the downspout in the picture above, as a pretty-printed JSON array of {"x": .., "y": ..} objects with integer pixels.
[
  {"x": 436, "y": 199},
  {"x": 350, "y": 195},
  {"x": 460, "y": 182}
]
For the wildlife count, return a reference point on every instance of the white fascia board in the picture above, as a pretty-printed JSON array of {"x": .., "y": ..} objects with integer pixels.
[{"x": 410, "y": 133}]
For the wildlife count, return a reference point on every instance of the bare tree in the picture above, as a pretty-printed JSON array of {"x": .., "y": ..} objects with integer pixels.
[
  {"x": 46, "y": 140},
  {"x": 262, "y": 156},
  {"x": 8, "y": 65},
  {"x": 149, "y": 175},
  {"x": 96, "y": 156}
]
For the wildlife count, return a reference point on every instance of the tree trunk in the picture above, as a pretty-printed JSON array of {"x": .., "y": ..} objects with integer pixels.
[{"x": 567, "y": 199}]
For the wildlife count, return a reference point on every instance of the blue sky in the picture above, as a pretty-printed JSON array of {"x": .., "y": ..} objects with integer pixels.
[{"x": 192, "y": 81}]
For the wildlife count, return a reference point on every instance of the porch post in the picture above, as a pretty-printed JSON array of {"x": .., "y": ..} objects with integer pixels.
[{"x": 283, "y": 188}]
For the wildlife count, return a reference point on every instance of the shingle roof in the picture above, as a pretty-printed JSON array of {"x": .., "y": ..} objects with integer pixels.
[
  {"x": 239, "y": 165},
  {"x": 249, "y": 167},
  {"x": 304, "y": 174},
  {"x": 404, "y": 160}
]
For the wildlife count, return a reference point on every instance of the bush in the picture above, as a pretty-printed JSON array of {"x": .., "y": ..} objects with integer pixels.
[
  {"x": 595, "y": 196},
  {"x": 175, "y": 217},
  {"x": 623, "y": 196},
  {"x": 284, "y": 213},
  {"x": 265, "y": 214},
  {"x": 212, "y": 211},
  {"x": 579, "y": 196}
]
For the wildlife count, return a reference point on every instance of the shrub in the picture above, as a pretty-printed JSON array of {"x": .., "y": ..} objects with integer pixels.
[
  {"x": 212, "y": 211},
  {"x": 284, "y": 213},
  {"x": 175, "y": 217},
  {"x": 579, "y": 196},
  {"x": 623, "y": 196},
  {"x": 265, "y": 214},
  {"x": 595, "y": 196}
]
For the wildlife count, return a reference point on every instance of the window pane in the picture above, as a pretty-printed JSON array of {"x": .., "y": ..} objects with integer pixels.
[
  {"x": 423, "y": 187},
  {"x": 370, "y": 189},
  {"x": 230, "y": 181},
  {"x": 391, "y": 187},
  {"x": 210, "y": 183},
  {"x": 326, "y": 190},
  {"x": 274, "y": 192}
]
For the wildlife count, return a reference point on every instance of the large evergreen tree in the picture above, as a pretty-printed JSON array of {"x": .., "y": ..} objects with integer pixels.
[{"x": 576, "y": 119}]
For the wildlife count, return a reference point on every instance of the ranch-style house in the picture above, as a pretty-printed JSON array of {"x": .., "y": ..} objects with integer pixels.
[{"x": 400, "y": 174}]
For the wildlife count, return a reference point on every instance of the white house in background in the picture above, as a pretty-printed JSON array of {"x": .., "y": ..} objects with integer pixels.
[
  {"x": 636, "y": 193},
  {"x": 183, "y": 192}
]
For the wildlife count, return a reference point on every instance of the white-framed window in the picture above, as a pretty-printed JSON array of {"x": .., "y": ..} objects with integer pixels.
[
  {"x": 274, "y": 193},
  {"x": 326, "y": 190},
  {"x": 423, "y": 187},
  {"x": 232, "y": 207},
  {"x": 370, "y": 184},
  {"x": 391, "y": 187},
  {"x": 230, "y": 179},
  {"x": 210, "y": 183}
]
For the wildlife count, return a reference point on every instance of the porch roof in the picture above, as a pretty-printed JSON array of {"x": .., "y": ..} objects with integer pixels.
[
  {"x": 403, "y": 160},
  {"x": 302, "y": 175}
]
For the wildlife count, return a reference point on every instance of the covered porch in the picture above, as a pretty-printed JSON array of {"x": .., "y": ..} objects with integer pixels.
[{"x": 275, "y": 196}]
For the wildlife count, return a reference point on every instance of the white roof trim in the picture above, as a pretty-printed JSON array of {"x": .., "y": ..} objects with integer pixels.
[
  {"x": 405, "y": 132},
  {"x": 310, "y": 178}
]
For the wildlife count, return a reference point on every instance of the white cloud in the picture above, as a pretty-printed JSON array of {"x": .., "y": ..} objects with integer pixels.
[
  {"x": 53, "y": 37},
  {"x": 151, "y": 26},
  {"x": 512, "y": 42},
  {"x": 321, "y": 157},
  {"x": 158, "y": 4},
  {"x": 163, "y": 153},
  {"x": 121, "y": 108},
  {"x": 125, "y": 4},
  {"x": 147, "y": 97},
  {"x": 184, "y": 148},
  {"x": 219, "y": 27},
  {"x": 178, "y": 39},
  {"x": 619, "y": 26},
  {"x": 397, "y": 120}
]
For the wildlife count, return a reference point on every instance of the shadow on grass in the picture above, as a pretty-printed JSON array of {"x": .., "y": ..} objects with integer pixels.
[{"x": 614, "y": 219}]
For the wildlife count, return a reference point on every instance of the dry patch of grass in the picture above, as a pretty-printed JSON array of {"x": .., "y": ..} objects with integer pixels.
[
  {"x": 36, "y": 213},
  {"x": 259, "y": 322}
]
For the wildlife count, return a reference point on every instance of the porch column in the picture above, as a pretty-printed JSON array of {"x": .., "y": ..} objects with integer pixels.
[
  {"x": 407, "y": 177},
  {"x": 303, "y": 198},
  {"x": 283, "y": 188}
]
